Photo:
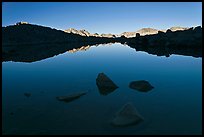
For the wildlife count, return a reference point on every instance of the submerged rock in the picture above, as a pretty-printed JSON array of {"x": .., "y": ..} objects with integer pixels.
[
  {"x": 105, "y": 84},
  {"x": 70, "y": 97},
  {"x": 27, "y": 94},
  {"x": 141, "y": 85},
  {"x": 127, "y": 116}
]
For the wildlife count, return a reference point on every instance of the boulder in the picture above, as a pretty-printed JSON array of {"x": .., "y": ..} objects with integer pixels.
[
  {"x": 105, "y": 84},
  {"x": 71, "y": 97},
  {"x": 141, "y": 85},
  {"x": 126, "y": 116}
]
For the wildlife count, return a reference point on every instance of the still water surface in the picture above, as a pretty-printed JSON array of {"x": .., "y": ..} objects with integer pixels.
[{"x": 174, "y": 106}]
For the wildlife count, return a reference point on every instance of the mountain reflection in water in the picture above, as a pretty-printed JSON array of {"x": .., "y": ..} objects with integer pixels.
[
  {"x": 33, "y": 94},
  {"x": 32, "y": 53}
]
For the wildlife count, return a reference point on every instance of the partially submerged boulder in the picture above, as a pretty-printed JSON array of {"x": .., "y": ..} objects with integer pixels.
[
  {"x": 71, "y": 97},
  {"x": 126, "y": 116},
  {"x": 141, "y": 85},
  {"x": 105, "y": 84}
]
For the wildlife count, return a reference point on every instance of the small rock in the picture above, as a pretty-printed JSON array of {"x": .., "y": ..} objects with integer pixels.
[
  {"x": 71, "y": 97},
  {"x": 27, "y": 94},
  {"x": 11, "y": 113},
  {"x": 105, "y": 84},
  {"x": 141, "y": 85},
  {"x": 127, "y": 116}
]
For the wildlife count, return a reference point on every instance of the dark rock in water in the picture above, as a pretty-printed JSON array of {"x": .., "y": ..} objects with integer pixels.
[
  {"x": 105, "y": 84},
  {"x": 27, "y": 94},
  {"x": 71, "y": 97},
  {"x": 127, "y": 116},
  {"x": 141, "y": 85},
  {"x": 11, "y": 113}
]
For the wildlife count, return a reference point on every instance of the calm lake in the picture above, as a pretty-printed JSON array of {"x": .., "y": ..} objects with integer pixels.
[{"x": 174, "y": 106}]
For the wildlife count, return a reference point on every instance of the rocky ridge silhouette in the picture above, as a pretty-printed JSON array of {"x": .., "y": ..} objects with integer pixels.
[{"x": 27, "y": 43}]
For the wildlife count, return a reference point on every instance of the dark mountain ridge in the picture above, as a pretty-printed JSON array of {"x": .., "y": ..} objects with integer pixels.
[{"x": 28, "y": 43}]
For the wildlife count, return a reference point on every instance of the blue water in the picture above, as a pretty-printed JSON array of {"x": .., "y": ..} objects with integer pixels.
[{"x": 174, "y": 106}]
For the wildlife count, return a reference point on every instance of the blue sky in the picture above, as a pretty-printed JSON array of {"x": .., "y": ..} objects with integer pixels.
[{"x": 104, "y": 17}]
